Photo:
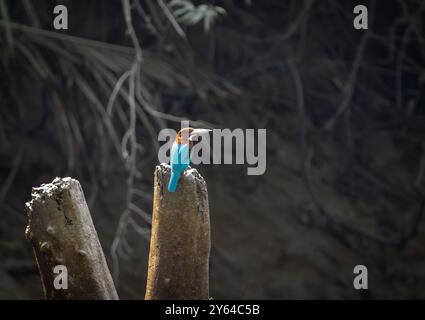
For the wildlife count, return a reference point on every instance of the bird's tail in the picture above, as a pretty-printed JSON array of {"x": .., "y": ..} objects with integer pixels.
[{"x": 174, "y": 180}]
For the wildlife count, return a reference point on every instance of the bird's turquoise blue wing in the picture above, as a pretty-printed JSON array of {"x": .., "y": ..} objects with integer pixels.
[
  {"x": 184, "y": 154},
  {"x": 180, "y": 154},
  {"x": 175, "y": 151}
]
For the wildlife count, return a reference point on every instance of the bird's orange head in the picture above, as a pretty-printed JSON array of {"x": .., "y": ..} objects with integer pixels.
[
  {"x": 188, "y": 135},
  {"x": 183, "y": 136}
]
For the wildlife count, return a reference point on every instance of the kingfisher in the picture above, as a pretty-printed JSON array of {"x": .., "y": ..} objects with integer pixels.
[{"x": 180, "y": 153}]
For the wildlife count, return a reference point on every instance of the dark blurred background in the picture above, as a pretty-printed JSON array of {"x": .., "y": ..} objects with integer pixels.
[{"x": 344, "y": 113}]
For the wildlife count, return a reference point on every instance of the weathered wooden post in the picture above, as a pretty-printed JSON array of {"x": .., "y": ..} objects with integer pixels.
[
  {"x": 61, "y": 231},
  {"x": 180, "y": 240}
]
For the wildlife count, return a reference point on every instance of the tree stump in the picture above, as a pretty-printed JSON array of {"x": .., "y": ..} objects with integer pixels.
[
  {"x": 62, "y": 233},
  {"x": 180, "y": 240}
]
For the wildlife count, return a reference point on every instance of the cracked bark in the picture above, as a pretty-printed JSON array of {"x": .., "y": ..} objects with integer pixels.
[
  {"x": 180, "y": 240},
  {"x": 61, "y": 232}
]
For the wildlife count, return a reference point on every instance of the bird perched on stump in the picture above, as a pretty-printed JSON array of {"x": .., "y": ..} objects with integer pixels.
[{"x": 180, "y": 154}]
